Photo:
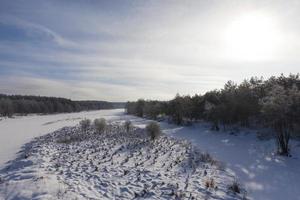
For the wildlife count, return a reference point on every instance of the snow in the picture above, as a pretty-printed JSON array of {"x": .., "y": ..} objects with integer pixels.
[
  {"x": 75, "y": 164},
  {"x": 265, "y": 175},
  {"x": 14, "y": 132}
]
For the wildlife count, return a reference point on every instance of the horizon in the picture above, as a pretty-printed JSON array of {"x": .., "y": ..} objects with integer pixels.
[
  {"x": 148, "y": 99},
  {"x": 121, "y": 51}
]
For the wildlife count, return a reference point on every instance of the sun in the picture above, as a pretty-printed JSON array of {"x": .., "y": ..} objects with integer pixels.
[{"x": 252, "y": 36}]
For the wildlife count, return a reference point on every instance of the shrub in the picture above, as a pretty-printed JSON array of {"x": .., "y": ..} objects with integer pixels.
[
  {"x": 235, "y": 187},
  {"x": 100, "y": 125},
  {"x": 68, "y": 139},
  {"x": 127, "y": 125},
  {"x": 206, "y": 157},
  {"x": 153, "y": 130},
  {"x": 85, "y": 124},
  {"x": 210, "y": 183}
]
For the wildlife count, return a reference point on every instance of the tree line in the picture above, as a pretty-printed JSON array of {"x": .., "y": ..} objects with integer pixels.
[
  {"x": 274, "y": 102},
  {"x": 20, "y": 104}
]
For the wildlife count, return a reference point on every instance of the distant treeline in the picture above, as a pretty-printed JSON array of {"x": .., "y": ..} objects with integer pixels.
[
  {"x": 19, "y": 104},
  {"x": 274, "y": 102}
]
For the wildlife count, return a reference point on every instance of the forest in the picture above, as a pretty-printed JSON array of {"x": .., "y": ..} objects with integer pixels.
[
  {"x": 20, "y": 104},
  {"x": 273, "y": 103}
]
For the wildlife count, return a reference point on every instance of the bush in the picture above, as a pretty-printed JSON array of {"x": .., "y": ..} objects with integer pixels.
[
  {"x": 68, "y": 139},
  {"x": 235, "y": 187},
  {"x": 153, "y": 130},
  {"x": 85, "y": 124},
  {"x": 100, "y": 125},
  {"x": 127, "y": 125},
  {"x": 210, "y": 183}
]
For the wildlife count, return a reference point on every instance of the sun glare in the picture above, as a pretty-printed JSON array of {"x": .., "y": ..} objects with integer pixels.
[{"x": 251, "y": 37}]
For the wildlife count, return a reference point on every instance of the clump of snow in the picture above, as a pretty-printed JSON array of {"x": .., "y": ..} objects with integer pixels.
[{"x": 118, "y": 164}]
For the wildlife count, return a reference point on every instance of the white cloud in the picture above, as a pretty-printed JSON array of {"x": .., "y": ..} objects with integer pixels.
[{"x": 35, "y": 30}]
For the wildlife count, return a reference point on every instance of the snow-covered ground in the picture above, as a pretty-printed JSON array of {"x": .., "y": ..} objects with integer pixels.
[
  {"x": 266, "y": 176},
  {"x": 14, "y": 132},
  {"x": 75, "y": 164}
]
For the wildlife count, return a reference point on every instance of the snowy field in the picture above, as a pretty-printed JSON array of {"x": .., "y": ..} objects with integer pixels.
[
  {"x": 264, "y": 175},
  {"x": 20, "y": 130},
  {"x": 72, "y": 164}
]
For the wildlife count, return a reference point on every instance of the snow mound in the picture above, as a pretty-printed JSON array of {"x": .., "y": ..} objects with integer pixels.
[{"x": 72, "y": 164}]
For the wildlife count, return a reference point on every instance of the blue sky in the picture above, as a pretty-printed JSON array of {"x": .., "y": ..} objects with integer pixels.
[{"x": 124, "y": 50}]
